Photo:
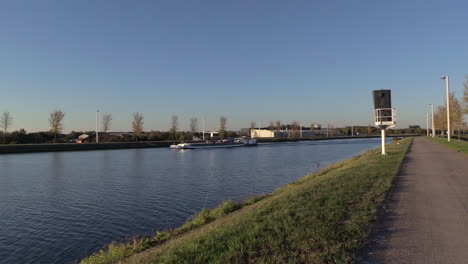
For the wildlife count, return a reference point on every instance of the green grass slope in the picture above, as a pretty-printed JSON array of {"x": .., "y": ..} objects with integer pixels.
[
  {"x": 322, "y": 218},
  {"x": 458, "y": 145}
]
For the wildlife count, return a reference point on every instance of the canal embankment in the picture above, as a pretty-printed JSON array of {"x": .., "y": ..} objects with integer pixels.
[
  {"x": 324, "y": 217},
  {"x": 32, "y": 148}
]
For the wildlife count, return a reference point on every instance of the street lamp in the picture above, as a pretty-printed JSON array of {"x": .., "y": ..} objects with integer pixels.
[
  {"x": 427, "y": 124},
  {"x": 432, "y": 122},
  {"x": 447, "y": 86},
  {"x": 97, "y": 129}
]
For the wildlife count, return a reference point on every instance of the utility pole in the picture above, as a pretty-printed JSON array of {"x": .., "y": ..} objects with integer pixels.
[
  {"x": 97, "y": 129},
  {"x": 384, "y": 151},
  {"x": 432, "y": 122},
  {"x": 300, "y": 130},
  {"x": 427, "y": 123},
  {"x": 447, "y": 88},
  {"x": 203, "y": 122}
]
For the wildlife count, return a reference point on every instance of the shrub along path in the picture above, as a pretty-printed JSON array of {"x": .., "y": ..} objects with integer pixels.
[{"x": 426, "y": 217}]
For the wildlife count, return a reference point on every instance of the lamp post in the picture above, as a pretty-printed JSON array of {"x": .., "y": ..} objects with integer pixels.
[
  {"x": 97, "y": 130},
  {"x": 432, "y": 122},
  {"x": 300, "y": 130},
  {"x": 427, "y": 123},
  {"x": 203, "y": 125},
  {"x": 447, "y": 86}
]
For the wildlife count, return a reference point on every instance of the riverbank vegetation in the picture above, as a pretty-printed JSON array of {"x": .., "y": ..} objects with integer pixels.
[
  {"x": 324, "y": 217},
  {"x": 458, "y": 145},
  {"x": 23, "y": 137}
]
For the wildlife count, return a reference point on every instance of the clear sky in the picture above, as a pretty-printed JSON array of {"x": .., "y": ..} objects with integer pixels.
[{"x": 311, "y": 61}]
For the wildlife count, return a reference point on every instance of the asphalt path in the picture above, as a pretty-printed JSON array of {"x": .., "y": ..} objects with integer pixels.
[{"x": 425, "y": 218}]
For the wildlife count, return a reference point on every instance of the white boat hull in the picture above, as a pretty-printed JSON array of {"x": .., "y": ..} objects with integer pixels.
[{"x": 245, "y": 143}]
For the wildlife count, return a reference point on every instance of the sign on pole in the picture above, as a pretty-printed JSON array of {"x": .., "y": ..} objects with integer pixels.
[{"x": 384, "y": 114}]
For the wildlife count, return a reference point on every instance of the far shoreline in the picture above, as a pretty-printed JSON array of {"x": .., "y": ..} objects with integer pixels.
[{"x": 59, "y": 147}]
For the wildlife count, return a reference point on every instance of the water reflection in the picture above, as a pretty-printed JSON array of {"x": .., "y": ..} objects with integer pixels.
[{"x": 55, "y": 183}]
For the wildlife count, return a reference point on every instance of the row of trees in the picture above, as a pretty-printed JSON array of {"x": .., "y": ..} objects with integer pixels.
[
  {"x": 458, "y": 108},
  {"x": 137, "y": 127},
  {"x": 21, "y": 137},
  {"x": 55, "y": 121},
  {"x": 56, "y": 128}
]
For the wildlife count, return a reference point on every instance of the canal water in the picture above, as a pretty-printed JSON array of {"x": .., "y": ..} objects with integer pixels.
[{"x": 59, "y": 207}]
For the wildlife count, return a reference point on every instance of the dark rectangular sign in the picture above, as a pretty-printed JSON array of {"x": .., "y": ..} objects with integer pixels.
[{"x": 382, "y": 99}]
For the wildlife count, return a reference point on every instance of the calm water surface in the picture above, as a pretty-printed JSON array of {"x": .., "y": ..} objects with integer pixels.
[{"x": 59, "y": 207}]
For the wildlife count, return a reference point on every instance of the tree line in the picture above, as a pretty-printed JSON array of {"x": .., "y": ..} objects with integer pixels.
[
  {"x": 56, "y": 124},
  {"x": 458, "y": 108}
]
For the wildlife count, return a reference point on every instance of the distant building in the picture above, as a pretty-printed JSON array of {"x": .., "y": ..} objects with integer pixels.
[
  {"x": 316, "y": 126},
  {"x": 266, "y": 133},
  {"x": 245, "y": 131},
  {"x": 82, "y": 138},
  {"x": 213, "y": 134}
]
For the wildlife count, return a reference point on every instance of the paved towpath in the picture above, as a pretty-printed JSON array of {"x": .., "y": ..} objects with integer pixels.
[{"x": 426, "y": 217}]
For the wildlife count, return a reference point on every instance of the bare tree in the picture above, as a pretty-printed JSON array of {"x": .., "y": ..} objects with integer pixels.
[
  {"x": 440, "y": 118},
  {"x": 222, "y": 127},
  {"x": 294, "y": 134},
  {"x": 456, "y": 115},
  {"x": 193, "y": 125},
  {"x": 174, "y": 126},
  {"x": 5, "y": 122},
  {"x": 278, "y": 125},
  {"x": 106, "y": 122},
  {"x": 56, "y": 123},
  {"x": 137, "y": 125}
]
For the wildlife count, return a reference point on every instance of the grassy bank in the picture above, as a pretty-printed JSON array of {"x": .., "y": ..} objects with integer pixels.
[
  {"x": 458, "y": 145},
  {"x": 322, "y": 218}
]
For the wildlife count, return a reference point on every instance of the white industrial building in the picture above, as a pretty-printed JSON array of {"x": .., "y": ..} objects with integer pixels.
[{"x": 266, "y": 133}]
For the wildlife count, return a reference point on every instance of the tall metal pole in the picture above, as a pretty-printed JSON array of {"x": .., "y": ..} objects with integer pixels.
[
  {"x": 432, "y": 122},
  {"x": 447, "y": 88},
  {"x": 384, "y": 151},
  {"x": 203, "y": 122},
  {"x": 97, "y": 130},
  {"x": 300, "y": 130},
  {"x": 427, "y": 123},
  {"x": 352, "y": 130}
]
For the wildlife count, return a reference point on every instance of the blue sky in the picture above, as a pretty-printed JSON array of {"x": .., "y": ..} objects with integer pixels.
[{"x": 311, "y": 61}]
